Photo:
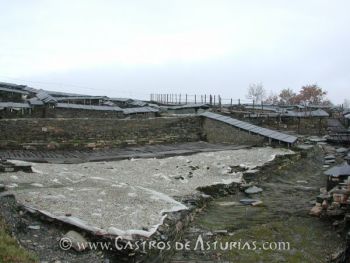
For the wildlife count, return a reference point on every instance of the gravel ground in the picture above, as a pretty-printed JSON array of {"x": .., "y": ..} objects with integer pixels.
[
  {"x": 44, "y": 242},
  {"x": 129, "y": 196}
]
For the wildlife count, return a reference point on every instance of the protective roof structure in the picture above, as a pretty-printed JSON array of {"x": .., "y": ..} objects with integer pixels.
[
  {"x": 268, "y": 133},
  {"x": 87, "y": 107}
]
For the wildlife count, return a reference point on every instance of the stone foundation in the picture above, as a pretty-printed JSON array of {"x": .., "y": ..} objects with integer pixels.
[
  {"x": 219, "y": 132},
  {"x": 93, "y": 133}
]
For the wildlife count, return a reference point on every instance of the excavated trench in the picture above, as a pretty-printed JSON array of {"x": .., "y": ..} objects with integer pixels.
[
  {"x": 236, "y": 233},
  {"x": 290, "y": 185}
]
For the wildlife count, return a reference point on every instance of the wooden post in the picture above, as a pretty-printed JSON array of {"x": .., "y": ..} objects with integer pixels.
[
  {"x": 205, "y": 98},
  {"x": 195, "y": 99},
  {"x": 186, "y": 98},
  {"x": 214, "y": 100},
  {"x": 319, "y": 126},
  {"x": 239, "y": 102}
]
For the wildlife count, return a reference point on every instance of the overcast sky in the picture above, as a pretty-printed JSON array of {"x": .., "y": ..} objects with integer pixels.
[{"x": 134, "y": 48}]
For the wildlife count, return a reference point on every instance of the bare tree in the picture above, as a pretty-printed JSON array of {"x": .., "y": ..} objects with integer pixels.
[
  {"x": 272, "y": 99},
  {"x": 287, "y": 97},
  {"x": 256, "y": 92}
]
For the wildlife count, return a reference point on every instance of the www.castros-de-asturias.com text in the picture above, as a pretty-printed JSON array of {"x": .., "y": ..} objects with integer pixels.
[{"x": 198, "y": 244}]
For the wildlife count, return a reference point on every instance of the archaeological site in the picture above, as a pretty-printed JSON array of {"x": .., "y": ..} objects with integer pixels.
[{"x": 98, "y": 179}]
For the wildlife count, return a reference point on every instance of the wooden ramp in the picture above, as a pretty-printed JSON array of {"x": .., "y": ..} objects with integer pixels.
[{"x": 245, "y": 126}]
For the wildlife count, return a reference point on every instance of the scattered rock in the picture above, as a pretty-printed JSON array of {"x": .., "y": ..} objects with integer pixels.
[
  {"x": 221, "y": 232},
  {"x": 227, "y": 203},
  {"x": 257, "y": 203},
  {"x": 253, "y": 190},
  {"x": 248, "y": 201},
  {"x": 52, "y": 146},
  {"x": 246, "y": 185},
  {"x": 341, "y": 150},
  {"x": 91, "y": 145},
  {"x": 305, "y": 146},
  {"x": 316, "y": 139},
  {"x": 164, "y": 237},
  {"x": 324, "y": 204},
  {"x": 329, "y": 157},
  {"x": 238, "y": 168},
  {"x": 252, "y": 171},
  {"x": 302, "y": 182},
  {"x": 193, "y": 168},
  {"x": 79, "y": 243},
  {"x": 316, "y": 210},
  {"x": 35, "y": 227}
]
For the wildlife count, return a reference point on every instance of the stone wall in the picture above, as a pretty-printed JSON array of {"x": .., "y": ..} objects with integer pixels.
[
  {"x": 308, "y": 126},
  {"x": 50, "y": 112},
  {"x": 61, "y": 133},
  {"x": 219, "y": 132},
  {"x": 80, "y": 113}
]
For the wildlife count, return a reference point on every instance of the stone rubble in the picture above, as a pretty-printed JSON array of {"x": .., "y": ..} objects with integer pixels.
[{"x": 333, "y": 202}]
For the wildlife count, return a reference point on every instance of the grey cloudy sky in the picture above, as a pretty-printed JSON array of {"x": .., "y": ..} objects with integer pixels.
[{"x": 134, "y": 47}]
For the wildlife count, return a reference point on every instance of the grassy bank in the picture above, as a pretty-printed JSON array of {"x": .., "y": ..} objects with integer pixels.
[{"x": 10, "y": 251}]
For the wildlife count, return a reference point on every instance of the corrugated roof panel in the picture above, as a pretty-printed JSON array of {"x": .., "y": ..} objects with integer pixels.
[
  {"x": 266, "y": 132},
  {"x": 46, "y": 98},
  {"x": 189, "y": 105},
  {"x": 245, "y": 127},
  {"x": 14, "y": 90},
  {"x": 35, "y": 101},
  {"x": 87, "y": 107},
  {"x": 230, "y": 121},
  {"x": 81, "y": 98},
  {"x": 139, "y": 110},
  {"x": 251, "y": 128},
  {"x": 14, "y": 105}
]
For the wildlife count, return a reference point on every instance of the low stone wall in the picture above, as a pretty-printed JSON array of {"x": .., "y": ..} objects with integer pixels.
[
  {"x": 61, "y": 133},
  {"x": 219, "y": 132},
  {"x": 50, "y": 112},
  {"x": 308, "y": 126}
]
